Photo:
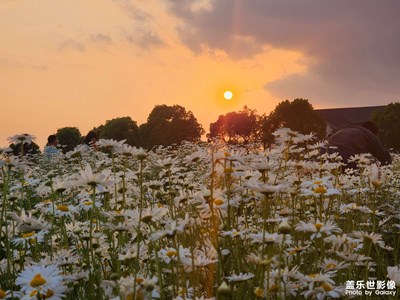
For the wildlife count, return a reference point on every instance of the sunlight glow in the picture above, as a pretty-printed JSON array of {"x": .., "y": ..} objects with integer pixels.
[{"x": 228, "y": 95}]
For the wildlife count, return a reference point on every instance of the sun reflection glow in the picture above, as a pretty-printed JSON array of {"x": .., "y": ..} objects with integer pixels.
[{"x": 228, "y": 95}]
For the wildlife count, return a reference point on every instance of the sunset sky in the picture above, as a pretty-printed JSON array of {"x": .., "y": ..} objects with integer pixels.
[{"x": 82, "y": 62}]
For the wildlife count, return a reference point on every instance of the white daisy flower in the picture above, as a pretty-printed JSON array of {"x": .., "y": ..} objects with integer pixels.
[
  {"x": 63, "y": 210},
  {"x": 21, "y": 138},
  {"x": 41, "y": 279},
  {"x": 168, "y": 254},
  {"x": 110, "y": 144},
  {"x": 87, "y": 177},
  {"x": 318, "y": 228},
  {"x": 239, "y": 277},
  {"x": 32, "y": 236},
  {"x": 394, "y": 274},
  {"x": 55, "y": 293}
]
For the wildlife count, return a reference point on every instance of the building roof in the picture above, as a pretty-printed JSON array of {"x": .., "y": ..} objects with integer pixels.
[{"x": 339, "y": 117}]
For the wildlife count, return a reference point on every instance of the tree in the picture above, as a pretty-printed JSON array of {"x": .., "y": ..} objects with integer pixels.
[
  {"x": 167, "y": 125},
  {"x": 97, "y": 130},
  {"x": 298, "y": 115},
  {"x": 388, "y": 121},
  {"x": 121, "y": 129},
  {"x": 268, "y": 127},
  {"x": 69, "y": 138},
  {"x": 236, "y": 127}
]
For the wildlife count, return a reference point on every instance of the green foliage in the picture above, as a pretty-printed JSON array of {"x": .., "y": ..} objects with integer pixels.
[
  {"x": 298, "y": 115},
  {"x": 28, "y": 149},
  {"x": 167, "y": 125},
  {"x": 268, "y": 126},
  {"x": 98, "y": 130},
  {"x": 69, "y": 138},
  {"x": 123, "y": 128},
  {"x": 236, "y": 127},
  {"x": 388, "y": 122}
]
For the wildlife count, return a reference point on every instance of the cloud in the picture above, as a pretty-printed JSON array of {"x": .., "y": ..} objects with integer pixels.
[
  {"x": 98, "y": 39},
  {"x": 22, "y": 64},
  {"x": 145, "y": 38},
  {"x": 72, "y": 44},
  {"x": 141, "y": 33},
  {"x": 133, "y": 11},
  {"x": 352, "y": 47},
  {"x": 101, "y": 38}
]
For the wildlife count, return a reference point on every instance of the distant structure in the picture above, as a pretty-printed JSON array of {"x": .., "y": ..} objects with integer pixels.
[{"x": 339, "y": 117}]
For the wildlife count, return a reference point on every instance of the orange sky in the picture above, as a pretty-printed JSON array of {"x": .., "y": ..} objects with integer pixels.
[{"x": 80, "y": 63}]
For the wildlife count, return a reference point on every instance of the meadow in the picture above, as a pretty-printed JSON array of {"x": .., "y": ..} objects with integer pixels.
[{"x": 198, "y": 221}]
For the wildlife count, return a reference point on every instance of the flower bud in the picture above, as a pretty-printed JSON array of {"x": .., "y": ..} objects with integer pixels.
[
  {"x": 284, "y": 227},
  {"x": 149, "y": 286},
  {"x": 141, "y": 154},
  {"x": 224, "y": 289},
  {"x": 115, "y": 276}
]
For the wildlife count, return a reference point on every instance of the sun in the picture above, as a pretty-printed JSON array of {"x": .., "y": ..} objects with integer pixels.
[{"x": 228, "y": 95}]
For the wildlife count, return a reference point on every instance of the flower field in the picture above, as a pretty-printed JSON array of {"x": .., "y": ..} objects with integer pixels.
[{"x": 198, "y": 222}]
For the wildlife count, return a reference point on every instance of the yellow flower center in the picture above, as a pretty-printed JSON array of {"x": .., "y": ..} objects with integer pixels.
[
  {"x": 129, "y": 296},
  {"x": 296, "y": 250},
  {"x": 317, "y": 182},
  {"x": 331, "y": 266},
  {"x": 182, "y": 291},
  {"x": 139, "y": 280},
  {"x": 171, "y": 253},
  {"x": 62, "y": 207},
  {"x": 235, "y": 232},
  {"x": 2, "y": 294},
  {"x": 49, "y": 294},
  {"x": 318, "y": 226},
  {"x": 27, "y": 235},
  {"x": 377, "y": 183},
  {"x": 273, "y": 288},
  {"x": 228, "y": 170},
  {"x": 218, "y": 202},
  {"x": 327, "y": 287},
  {"x": 313, "y": 275},
  {"x": 33, "y": 293},
  {"x": 258, "y": 292},
  {"x": 88, "y": 202},
  {"x": 139, "y": 296},
  {"x": 320, "y": 190},
  {"x": 38, "y": 280}
]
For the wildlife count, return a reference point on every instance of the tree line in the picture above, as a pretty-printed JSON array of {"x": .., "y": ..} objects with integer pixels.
[{"x": 169, "y": 125}]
